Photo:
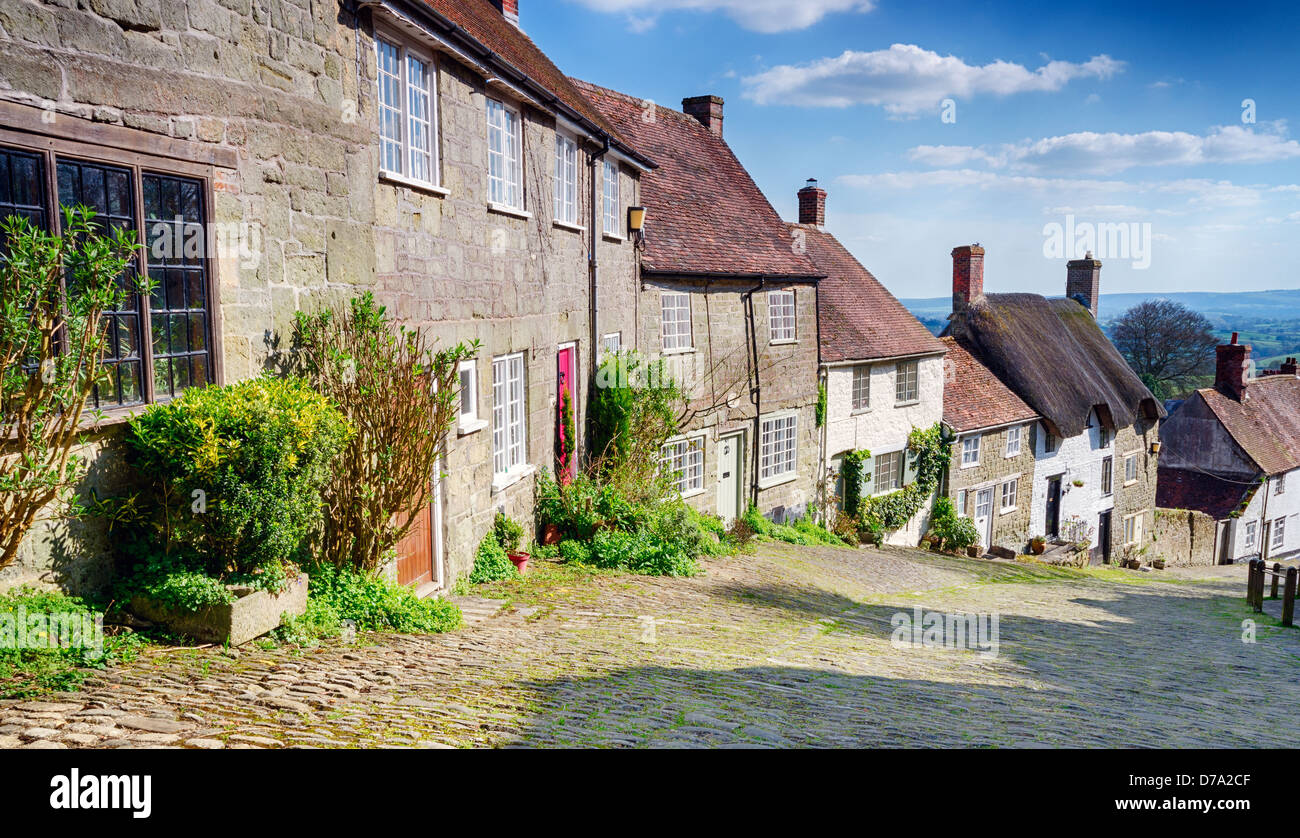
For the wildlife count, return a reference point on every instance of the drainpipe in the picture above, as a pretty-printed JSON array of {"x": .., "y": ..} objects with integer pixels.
[
  {"x": 756, "y": 392},
  {"x": 593, "y": 273}
]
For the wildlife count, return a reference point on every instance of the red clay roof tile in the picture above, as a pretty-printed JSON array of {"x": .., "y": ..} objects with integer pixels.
[{"x": 973, "y": 397}]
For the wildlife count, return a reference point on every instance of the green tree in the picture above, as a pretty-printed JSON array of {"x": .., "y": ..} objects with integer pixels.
[{"x": 1167, "y": 344}]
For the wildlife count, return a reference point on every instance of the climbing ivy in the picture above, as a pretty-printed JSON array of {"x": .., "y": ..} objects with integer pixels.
[
  {"x": 820, "y": 413},
  {"x": 929, "y": 449},
  {"x": 854, "y": 475}
]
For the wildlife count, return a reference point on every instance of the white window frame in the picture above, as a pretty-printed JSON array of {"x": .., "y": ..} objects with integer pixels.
[
  {"x": 1277, "y": 534},
  {"x": 1009, "y": 497},
  {"x": 895, "y": 473},
  {"x": 506, "y": 188},
  {"x": 611, "y": 224},
  {"x": 970, "y": 451},
  {"x": 509, "y": 415},
  {"x": 907, "y": 380},
  {"x": 566, "y": 179},
  {"x": 1013, "y": 442},
  {"x": 468, "y": 419},
  {"x": 612, "y": 342},
  {"x": 1130, "y": 459},
  {"x": 683, "y": 461},
  {"x": 961, "y": 503},
  {"x": 860, "y": 393},
  {"x": 675, "y": 331},
  {"x": 778, "y": 465},
  {"x": 780, "y": 315},
  {"x": 1250, "y": 534},
  {"x": 1133, "y": 528},
  {"x": 1279, "y": 484},
  {"x": 403, "y": 149}
]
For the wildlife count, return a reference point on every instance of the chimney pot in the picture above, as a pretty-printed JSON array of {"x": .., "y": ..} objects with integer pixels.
[
  {"x": 509, "y": 9},
  {"x": 967, "y": 275},
  {"x": 1083, "y": 281},
  {"x": 812, "y": 204},
  {"x": 707, "y": 110},
  {"x": 1231, "y": 363}
]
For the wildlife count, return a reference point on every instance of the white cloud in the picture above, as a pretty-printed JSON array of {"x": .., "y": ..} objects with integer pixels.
[
  {"x": 765, "y": 16},
  {"x": 906, "y": 79},
  {"x": 1093, "y": 153}
]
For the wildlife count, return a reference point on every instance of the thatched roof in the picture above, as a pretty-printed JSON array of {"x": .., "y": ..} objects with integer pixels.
[{"x": 1052, "y": 354}]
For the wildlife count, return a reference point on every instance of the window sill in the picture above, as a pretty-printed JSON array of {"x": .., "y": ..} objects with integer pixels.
[
  {"x": 472, "y": 426},
  {"x": 909, "y": 403},
  {"x": 1004, "y": 510},
  {"x": 858, "y": 411},
  {"x": 412, "y": 183},
  {"x": 567, "y": 225},
  {"x": 683, "y": 351},
  {"x": 970, "y": 465},
  {"x": 613, "y": 237},
  {"x": 785, "y": 342},
  {"x": 506, "y": 209},
  {"x": 1011, "y": 456},
  {"x": 501, "y": 482},
  {"x": 1128, "y": 483},
  {"x": 768, "y": 483},
  {"x": 692, "y": 493},
  {"x": 886, "y": 492}
]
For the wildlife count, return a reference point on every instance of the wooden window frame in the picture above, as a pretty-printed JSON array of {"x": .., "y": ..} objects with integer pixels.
[
  {"x": 405, "y": 52},
  {"x": 905, "y": 372},
  {"x": 22, "y": 128},
  {"x": 782, "y": 327},
  {"x": 688, "y": 453}
]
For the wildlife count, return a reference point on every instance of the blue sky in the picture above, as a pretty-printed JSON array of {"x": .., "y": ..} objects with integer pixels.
[{"x": 1111, "y": 113}]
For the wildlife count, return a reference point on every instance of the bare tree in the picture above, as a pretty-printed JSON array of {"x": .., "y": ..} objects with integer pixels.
[{"x": 1167, "y": 344}]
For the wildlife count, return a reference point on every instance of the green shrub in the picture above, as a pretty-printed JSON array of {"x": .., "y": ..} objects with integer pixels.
[
  {"x": 958, "y": 532},
  {"x": 371, "y": 602},
  {"x": 491, "y": 562},
  {"x": 237, "y": 473},
  {"x": 26, "y": 672},
  {"x": 641, "y": 552},
  {"x": 576, "y": 552},
  {"x": 740, "y": 533}
]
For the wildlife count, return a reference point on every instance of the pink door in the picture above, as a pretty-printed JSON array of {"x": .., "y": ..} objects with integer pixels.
[{"x": 566, "y": 418}]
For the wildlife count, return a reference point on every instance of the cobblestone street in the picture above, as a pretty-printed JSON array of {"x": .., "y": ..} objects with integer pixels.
[{"x": 788, "y": 647}]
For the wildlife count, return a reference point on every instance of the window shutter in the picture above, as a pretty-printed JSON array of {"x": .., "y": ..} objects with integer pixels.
[{"x": 909, "y": 467}]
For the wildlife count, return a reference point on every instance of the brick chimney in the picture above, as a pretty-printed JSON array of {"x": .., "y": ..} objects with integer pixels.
[
  {"x": 812, "y": 204},
  {"x": 509, "y": 9},
  {"x": 1230, "y": 369},
  {"x": 1083, "y": 281},
  {"x": 967, "y": 275},
  {"x": 706, "y": 109}
]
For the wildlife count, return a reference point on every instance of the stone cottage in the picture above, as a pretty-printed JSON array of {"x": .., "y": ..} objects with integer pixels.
[
  {"x": 425, "y": 150},
  {"x": 882, "y": 369},
  {"x": 991, "y": 466},
  {"x": 1232, "y": 452},
  {"x": 1097, "y": 439},
  {"x": 730, "y": 303}
]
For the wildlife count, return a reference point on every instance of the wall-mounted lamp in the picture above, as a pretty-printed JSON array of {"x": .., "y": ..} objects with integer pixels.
[{"x": 636, "y": 226}]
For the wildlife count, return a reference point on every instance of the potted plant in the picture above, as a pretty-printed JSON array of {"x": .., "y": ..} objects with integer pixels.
[
  {"x": 1158, "y": 562},
  {"x": 508, "y": 532},
  {"x": 1077, "y": 483},
  {"x": 975, "y": 550},
  {"x": 1037, "y": 545}
]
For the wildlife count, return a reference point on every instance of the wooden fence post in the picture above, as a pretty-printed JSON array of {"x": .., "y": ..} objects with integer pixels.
[
  {"x": 1277, "y": 577},
  {"x": 1257, "y": 586},
  {"x": 1288, "y": 599}
]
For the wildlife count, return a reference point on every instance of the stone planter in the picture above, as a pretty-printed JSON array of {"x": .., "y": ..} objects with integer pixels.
[{"x": 252, "y": 614}]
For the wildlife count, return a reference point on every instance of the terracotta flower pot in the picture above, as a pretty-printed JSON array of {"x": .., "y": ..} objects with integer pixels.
[
  {"x": 1037, "y": 547},
  {"x": 520, "y": 560},
  {"x": 550, "y": 534}
]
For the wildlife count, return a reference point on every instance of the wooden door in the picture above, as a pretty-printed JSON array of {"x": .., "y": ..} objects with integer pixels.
[
  {"x": 984, "y": 516},
  {"x": 566, "y": 413},
  {"x": 729, "y": 460},
  {"x": 415, "y": 551},
  {"x": 1103, "y": 535},
  {"x": 1054, "y": 507}
]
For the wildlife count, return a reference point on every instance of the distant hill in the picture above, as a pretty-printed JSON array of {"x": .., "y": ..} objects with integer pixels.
[{"x": 1239, "y": 310}]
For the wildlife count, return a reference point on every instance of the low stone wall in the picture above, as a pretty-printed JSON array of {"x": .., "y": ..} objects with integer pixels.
[{"x": 1183, "y": 537}]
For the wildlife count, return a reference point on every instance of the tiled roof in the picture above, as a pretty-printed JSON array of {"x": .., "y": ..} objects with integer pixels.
[
  {"x": 485, "y": 24},
  {"x": 705, "y": 214},
  {"x": 1178, "y": 488},
  {"x": 1267, "y": 424},
  {"x": 973, "y": 397},
  {"x": 857, "y": 317},
  {"x": 1052, "y": 354}
]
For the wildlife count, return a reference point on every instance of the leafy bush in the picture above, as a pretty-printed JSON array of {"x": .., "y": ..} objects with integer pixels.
[
  {"x": 641, "y": 551},
  {"x": 236, "y": 473},
  {"x": 958, "y": 532},
  {"x": 740, "y": 533},
  {"x": 26, "y": 672},
  {"x": 371, "y": 602},
  {"x": 53, "y": 291},
  {"x": 491, "y": 562},
  {"x": 576, "y": 552},
  {"x": 400, "y": 397},
  {"x": 507, "y": 532},
  {"x": 929, "y": 450}
]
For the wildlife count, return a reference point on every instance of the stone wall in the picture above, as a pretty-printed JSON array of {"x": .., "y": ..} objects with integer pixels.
[
  {"x": 1183, "y": 537},
  {"x": 718, "y": 374},
  {"x": 1010, "y": 526},
  {"x": 288, "y": 89}
]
